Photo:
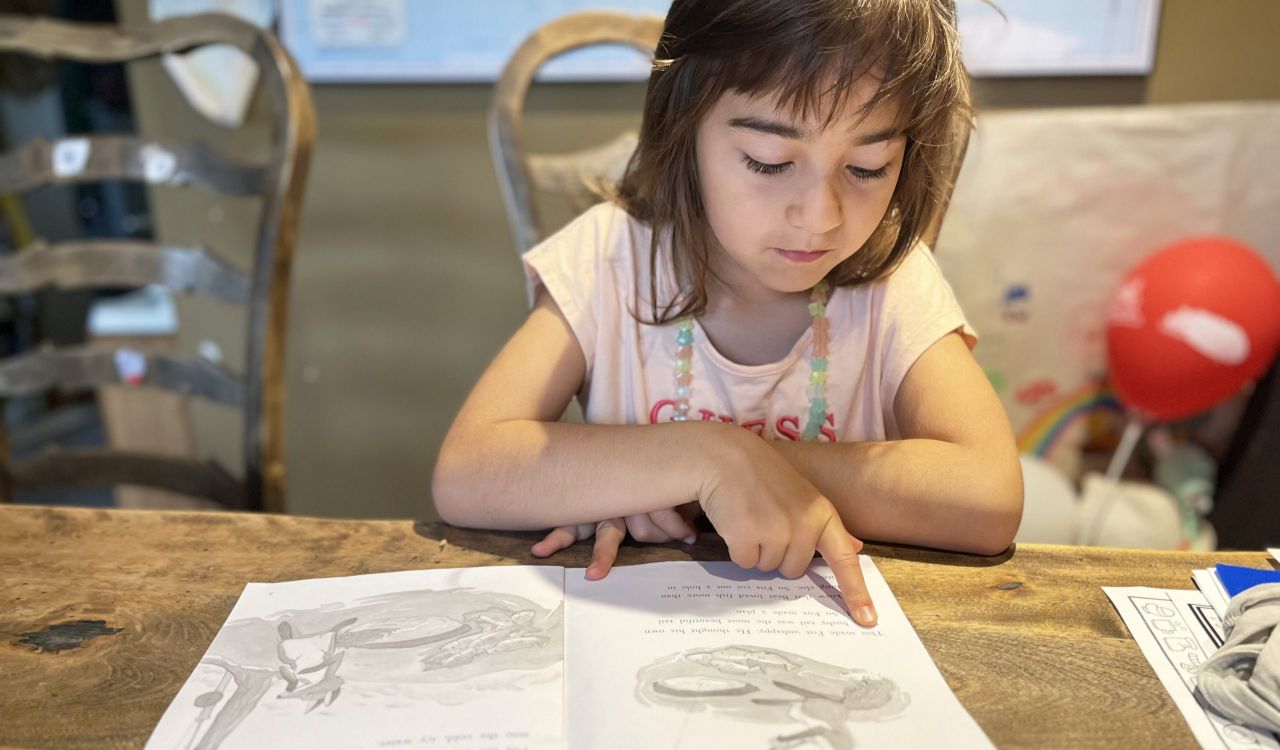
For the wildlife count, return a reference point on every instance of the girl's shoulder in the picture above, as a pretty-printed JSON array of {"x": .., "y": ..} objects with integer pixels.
[
  {"x": 914, "y": 299},
  {"x": 916, "y": 271},
  {"x": 917, "y": 266},
  {"x": 600, "y": 259},
  {"x": 603, "y": 232}
]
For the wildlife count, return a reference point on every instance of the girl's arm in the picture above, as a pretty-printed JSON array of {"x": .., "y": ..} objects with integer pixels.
[
  {"x": 953, "y": 482},
  {"x": 508, "y": 464}
]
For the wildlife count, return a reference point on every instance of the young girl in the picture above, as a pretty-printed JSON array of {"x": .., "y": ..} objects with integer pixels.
[{"x": 751, "y": 324}]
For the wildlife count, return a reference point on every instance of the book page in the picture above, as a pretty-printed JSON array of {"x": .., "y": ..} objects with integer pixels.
[
  {"x": 699, "y": 655},
  {"x": 466, "y": 659}
]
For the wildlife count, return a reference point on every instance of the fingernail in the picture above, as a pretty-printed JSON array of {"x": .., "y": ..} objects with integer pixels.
[
  {"x": 691, "y": 539},
  {"x": 866, "y": 616}
]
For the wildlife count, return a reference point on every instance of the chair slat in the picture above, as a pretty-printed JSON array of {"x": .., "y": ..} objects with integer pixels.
[
  {"x": 79, "y": 159},
  {"x": 79, "y": 368},
  {"x": 99, "y": 263},
  {"x": 40, "y": 36},
  {"x": 100, "y": 468},
  {"x": 585, "y": 171}
]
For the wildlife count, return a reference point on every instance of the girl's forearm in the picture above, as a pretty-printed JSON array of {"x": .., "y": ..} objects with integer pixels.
[
  {"x": 924, "y": 492},
  {"x": 535, "y": 475}
]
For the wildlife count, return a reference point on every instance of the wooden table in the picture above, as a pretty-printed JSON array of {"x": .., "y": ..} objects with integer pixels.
[{"x": 103, "y": 615}]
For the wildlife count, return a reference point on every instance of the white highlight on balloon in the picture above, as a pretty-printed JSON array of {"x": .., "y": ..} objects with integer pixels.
[
  {"x": 1126, "y": 306},
  {"x": 1220, "y": 339}
]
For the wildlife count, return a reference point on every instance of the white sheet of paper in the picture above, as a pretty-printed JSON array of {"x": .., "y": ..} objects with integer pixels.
[
  {"x": 678, "y": 654},
  {"x": 464, "y": 658},
  {"x": 1275, "y": 552},
  {"x": 698, "y": 655},
  {"x": 1177, "y": 630},
  {"x": 1207, "y": 580}
]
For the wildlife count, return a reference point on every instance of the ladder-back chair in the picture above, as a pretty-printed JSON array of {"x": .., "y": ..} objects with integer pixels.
[{"x": 263, "y": 289}]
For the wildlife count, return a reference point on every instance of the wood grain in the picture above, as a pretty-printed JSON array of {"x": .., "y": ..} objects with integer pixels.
[{"x": 1044, "y": 663}]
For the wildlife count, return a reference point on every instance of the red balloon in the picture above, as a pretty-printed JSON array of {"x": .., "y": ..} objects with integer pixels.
[{"x": 1190, "y": 326}]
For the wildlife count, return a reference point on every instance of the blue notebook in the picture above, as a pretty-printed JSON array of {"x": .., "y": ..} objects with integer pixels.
[{"x": 1237, "y": 578}]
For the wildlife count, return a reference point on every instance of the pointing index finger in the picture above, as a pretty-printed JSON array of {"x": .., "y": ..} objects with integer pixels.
[{"x": 840, "y": 550}]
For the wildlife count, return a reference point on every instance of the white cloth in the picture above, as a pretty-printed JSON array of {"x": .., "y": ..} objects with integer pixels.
[{"x": 1241, "y": 680}]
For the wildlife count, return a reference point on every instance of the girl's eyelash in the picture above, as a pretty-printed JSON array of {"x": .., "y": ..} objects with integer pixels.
[
  {"x": 859, "y": 173},
  {"x": 862, "y": 173},
  {"x": 762, "y": 168}
]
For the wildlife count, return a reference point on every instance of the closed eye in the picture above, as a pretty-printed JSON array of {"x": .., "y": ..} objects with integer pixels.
[
  {"x": 763, "y": 168},
  {"x": 863, "y": 173}
]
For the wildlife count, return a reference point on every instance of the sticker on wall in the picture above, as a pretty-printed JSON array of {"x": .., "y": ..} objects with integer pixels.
[
  {"x": 1036, "y": 391},
  {"x": 1017, "y": 303},
  {"x": 997, "y": 380}
]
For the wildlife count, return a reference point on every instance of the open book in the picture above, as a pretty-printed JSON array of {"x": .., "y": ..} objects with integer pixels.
[{"x": 664, "y": 655}]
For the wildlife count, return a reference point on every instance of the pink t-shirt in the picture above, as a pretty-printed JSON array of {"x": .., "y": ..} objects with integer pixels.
[{"x": 597, "y": 270}]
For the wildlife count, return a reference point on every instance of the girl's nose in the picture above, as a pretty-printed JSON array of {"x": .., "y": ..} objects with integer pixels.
[{"x": 817, "y": 210}]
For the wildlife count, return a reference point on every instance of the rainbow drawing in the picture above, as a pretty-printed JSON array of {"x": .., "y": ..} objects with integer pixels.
[{"x": 1045, "y": 430}]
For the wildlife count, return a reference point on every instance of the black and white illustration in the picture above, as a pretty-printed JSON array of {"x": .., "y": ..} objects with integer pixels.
[
  {"x": 696, "y": 655},
  {"x": 812, "y": 703},
  {"x": 370, "y": 666}
]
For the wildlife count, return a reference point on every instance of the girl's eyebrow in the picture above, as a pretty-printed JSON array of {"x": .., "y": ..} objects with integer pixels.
[
  {"x": 769, "y": 127},
  {"x": 773, "y": 127}
]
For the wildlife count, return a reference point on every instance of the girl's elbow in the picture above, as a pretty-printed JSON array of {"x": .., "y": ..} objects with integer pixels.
[
  {"x": 444, "y": 499},
  {"x": 448, "y": 490},
  {"x": 997, "y": 513},
  {"x": 1004, "y": 515}
]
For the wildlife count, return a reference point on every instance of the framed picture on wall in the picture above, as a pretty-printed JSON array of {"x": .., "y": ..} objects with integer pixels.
[
  {"x": 1038, "y": 38},
  {"x": 445, "y": 41}
]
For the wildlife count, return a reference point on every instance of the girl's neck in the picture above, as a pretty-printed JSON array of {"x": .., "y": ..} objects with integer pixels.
[{"x": 753, "y": 329}]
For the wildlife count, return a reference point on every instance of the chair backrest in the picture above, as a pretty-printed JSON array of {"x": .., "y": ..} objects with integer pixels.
[
  {"x": 262, "y": 289},
  {"x": 574, "y": 175}
]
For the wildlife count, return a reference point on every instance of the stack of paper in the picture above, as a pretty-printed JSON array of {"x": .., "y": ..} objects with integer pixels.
[{"x": 1177, "y": 631}]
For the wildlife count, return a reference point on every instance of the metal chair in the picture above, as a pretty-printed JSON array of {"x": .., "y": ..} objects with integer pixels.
[{"x": 263, "y": 289}]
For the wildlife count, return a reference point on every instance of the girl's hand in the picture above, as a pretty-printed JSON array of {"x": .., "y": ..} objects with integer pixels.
[
  {"x": 656, "y": 527},
  {"x": 609, "y": 534},
  {"x": 772, "y": 518}
]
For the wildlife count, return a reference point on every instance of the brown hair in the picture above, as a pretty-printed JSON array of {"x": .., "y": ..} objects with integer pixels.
[{"x": 805, "y": 53}]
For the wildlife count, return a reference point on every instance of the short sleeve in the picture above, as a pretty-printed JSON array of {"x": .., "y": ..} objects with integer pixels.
[
  {"x": 569, "y": 265},
  {"x": 918, "y": 308}
]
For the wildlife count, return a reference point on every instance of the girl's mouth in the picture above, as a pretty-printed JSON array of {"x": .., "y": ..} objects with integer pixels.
[{"x": 801, "y": 256}]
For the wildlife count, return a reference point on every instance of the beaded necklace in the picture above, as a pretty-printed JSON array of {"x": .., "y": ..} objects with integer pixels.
[{"x": 817, "y": 390}]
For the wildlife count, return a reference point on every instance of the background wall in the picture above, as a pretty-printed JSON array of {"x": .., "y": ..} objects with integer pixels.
[{"x": 406, "y": 280}]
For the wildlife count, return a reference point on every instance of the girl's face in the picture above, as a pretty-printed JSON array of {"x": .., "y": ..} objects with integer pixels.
[{"x": 787, "y": 201}]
